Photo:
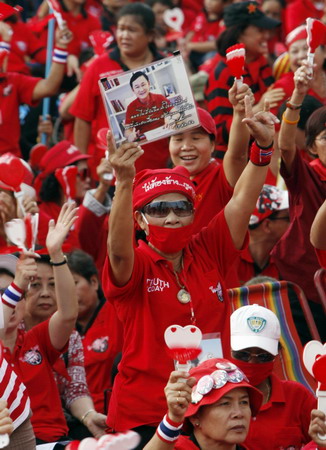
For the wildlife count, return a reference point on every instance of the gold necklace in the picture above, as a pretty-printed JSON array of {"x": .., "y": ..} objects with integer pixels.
[{"x": 184, "y": 296}]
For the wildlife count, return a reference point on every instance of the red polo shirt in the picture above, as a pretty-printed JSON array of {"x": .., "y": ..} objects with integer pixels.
[
  {"x": 284, "y": 421},
  {"x": 184, "y": 443},
  {"x": 102, "y": 341},
  {"x": 212, "y": 193},
  {"x": 321, "y": 255},
  {"x": 15, "y": 89},
  {"x": 148, "y": 304},
  {"x": 32, "y": 359}
]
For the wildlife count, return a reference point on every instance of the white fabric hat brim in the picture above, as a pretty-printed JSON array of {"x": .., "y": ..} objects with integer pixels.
[
  {"x": 8, "y": 262},
  {"x": 243, "y": 342}
]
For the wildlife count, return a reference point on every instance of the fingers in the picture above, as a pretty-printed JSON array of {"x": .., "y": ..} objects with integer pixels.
[
  {"x": 111, "y": 143},
  {"x": 266, "y": 107},
  {"x": 248, "y": 107}
]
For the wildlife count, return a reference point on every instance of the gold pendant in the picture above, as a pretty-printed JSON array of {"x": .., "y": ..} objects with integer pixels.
[{"x": 183, "y": 296}]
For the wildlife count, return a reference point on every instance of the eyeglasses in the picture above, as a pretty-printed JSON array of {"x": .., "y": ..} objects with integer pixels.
[
  {"x": 181, "y": 208},
  {"x": 243, "y": 355},
  {"x": 83, "y": 174}
]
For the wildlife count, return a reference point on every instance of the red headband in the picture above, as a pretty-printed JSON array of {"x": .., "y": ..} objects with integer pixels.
[{"x": 149, "y": 184}]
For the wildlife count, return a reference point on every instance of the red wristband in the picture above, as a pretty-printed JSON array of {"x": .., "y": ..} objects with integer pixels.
[{"x": 260, "y": 156}]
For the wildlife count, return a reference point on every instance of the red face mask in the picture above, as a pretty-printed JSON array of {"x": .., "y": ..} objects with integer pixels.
[
  {"x": 169, "y": 240},
  {"x": 255, "y": 372}
]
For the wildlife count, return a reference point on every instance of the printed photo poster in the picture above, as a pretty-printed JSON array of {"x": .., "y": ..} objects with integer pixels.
[{"x": 150, "y": 103}]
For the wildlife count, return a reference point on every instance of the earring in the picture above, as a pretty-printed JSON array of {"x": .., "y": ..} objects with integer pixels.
[{"x": 197, "y": 424}]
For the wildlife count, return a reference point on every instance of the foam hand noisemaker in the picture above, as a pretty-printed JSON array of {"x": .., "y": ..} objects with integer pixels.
[
  {"x": 314, "y": 358},
  {"x": 183, "y": 344},
  {"x": 235, "y": 59},
  {"x": 119, "y": 441},
  {"x": 67, "y": 179},
  {"x": 14, "y": 172},
  {"x": 316, "y": 35},
  {"x": 54, "y": 5},
  {"x": 23, "y": 232},
  {"x": 100, "y": 41},
  {"x": 4, "y": 438},
  {"x": 174, "y": 19}
]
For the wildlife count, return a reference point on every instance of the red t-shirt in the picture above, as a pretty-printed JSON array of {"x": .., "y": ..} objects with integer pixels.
[
  {"x": 284, "y": 421},
  {"x": 24, "y": 43},
  {"x": 184, "y": 443},
  {"x": 297, "y": 11},
  {"x": 145, "y": 118},
  {"x": 205, "y": 29},
  {"x": 148, "y": 304},
  {"x": 101, "y": 341},
  {"x": 15, "y": 89},
  {"x": 321, "y": 255},
  {"x": 212, "y": 193},
  {"x": 294, "y": 255},
  {"x": 32, "y": 359}
]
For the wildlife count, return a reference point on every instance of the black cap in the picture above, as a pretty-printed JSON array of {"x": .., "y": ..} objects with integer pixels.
[{"x": 248, "y": 13}]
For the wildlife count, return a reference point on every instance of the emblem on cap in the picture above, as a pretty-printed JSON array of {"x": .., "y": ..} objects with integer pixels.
[
  {"x": 256, "y": 324},
  {"x": 251, "y": 8}
]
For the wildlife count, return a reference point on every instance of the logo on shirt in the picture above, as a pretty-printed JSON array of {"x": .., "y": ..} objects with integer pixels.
[
  {"x": 22, "y": 46},
  {"x": 218, "y": 291},
  {"x": 256, "y": 324},
  {"x": 100, "y": 345},
  {"x": 156, "y": 285},
  {"x": 7, "y": 90},
  {"x": 32, "y": 356}
]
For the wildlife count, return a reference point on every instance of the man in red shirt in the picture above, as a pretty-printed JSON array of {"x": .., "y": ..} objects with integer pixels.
[{"x": 318, "y": 235}]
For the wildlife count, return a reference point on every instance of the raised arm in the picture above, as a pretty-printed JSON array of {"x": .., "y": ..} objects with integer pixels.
[
  {"x": 291, "y": 116},
  {"x": 318, "y": 229},
  {"x": 62, "y": 322},
  {"x": 50, "y": 85},
  {"x": 246, "y": 191},
  {"x": 178, "y": 397},
  {"x": 121, "y": 229},
  {"x": 236, "y": 157}
]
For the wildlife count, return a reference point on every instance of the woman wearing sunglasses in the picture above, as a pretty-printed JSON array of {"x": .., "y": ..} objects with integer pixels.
[
  {"x": 174, "y": 277},
  {"x": 284, "y": 418},
  {"x": 213, "y": 404}
]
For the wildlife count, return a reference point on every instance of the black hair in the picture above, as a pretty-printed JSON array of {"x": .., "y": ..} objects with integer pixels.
[
  {"x": 137, "y": 75},
  {"x": 51, "y": 190},
  {"x": 167, "y": 3},
  {"x": 230, "y": 36},
  {"x": 143, "y": 15},
  {"x": 6, "y": 272},
  {"x": 315, "y": 125},
  {"x": 82, "y": 9},
  {"x": 82, "y": 264}
]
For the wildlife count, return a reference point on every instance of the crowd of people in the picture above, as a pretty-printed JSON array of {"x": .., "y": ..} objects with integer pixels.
[{"x": 105, "y": 245}]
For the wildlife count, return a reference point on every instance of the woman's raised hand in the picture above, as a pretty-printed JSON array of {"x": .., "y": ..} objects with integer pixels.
[
  {"x": 261, "y": 125},
  {"x": 237, "y": 96},
  {"x": 58, "y": 232},
  {"x": 302, "y": 78},
  {"x": 123, "y": 158},
  {"x": 178, "y": 394}
]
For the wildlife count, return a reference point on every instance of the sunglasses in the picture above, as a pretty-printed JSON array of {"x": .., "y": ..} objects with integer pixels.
[
  {"x": 83, "y": 174},
  {"x": 181, "y": 208},
  {"x": 243, "y": 355}
]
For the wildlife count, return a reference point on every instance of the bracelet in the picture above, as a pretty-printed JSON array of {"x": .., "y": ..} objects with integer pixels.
[
  {"x": 60, "y": 56},
  {"x": 86, "y": 414},
  {"x": 261, "y": 156},
  {"x": 61, "y": 263},
  {"x": 12, "y": 295},
  {"x": 293, "y": 106},
  {"x": 290, "y": 122},
  {"x": 5, "y": 46},
  {"x": 169, "y": 431}
]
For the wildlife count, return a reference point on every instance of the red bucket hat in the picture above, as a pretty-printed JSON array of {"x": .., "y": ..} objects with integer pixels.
[
  {"x": 149, "y": 184},
  {"x": 62, "y": 154},
  {"x": 215, "y": 378},
  {"x": 206, "y": 121},
  {"x": 295, "y": 35}
]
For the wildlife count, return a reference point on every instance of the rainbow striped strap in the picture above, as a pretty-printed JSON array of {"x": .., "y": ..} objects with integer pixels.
[
  {"x": 168, "y": 431},
  {"x": 12, "y": 295},
  {"x": 60, "y": 56}
]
